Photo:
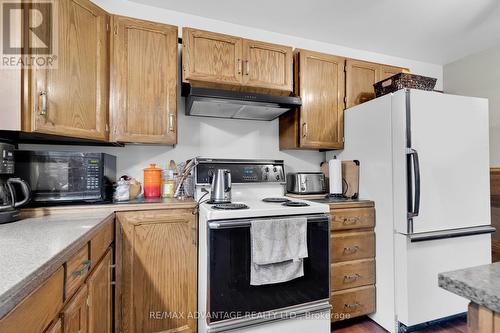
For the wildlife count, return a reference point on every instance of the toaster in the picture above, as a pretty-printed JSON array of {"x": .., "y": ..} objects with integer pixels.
[{"x": 306, "y": 183}]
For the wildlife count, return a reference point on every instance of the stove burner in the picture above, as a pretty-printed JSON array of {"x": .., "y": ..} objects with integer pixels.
[
  {"x": 230, "y": 206},
  {"x": 295, "y": 204},
  {"x": 276, "y": 200}
]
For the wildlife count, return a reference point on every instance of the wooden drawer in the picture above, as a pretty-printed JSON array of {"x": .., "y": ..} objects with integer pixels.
[
  {"x": 352, "y": 245},
  {"x": 354, "y": 218},
  {"x": 351, "y": 274},
  {"x": 36, "y": 311},
  {"x": 77, "y": 269},
  {"x": 352, "y": 303},
  {"x": 100, "y": 243}
]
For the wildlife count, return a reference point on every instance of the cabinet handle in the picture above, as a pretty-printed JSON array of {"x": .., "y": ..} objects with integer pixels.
[
  {"x": 240, "y": 66},
  {"x": 350, "y": 220},
  {"x": 195, "y": 234},
  {"x": 352, "y": 277},
  {"x": 351, "y": 249},
  {"x": 43, "y": 102},
  {"x": 352, "y": 306},
  {"x": 171, "y": 122},
  {"x": 247, "y": 67},
  {"x": 85, "y": 268},
  {"x": 304, "y": 130}
]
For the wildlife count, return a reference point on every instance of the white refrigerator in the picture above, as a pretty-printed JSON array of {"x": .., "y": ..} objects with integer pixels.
[{"x": 424, "y": 160}]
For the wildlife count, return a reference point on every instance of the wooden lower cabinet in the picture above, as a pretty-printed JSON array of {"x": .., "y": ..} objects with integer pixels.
[
  {"x": 55, "y": 327},
  {"x": 100, "y": 296},
  {"x": 75, "y": 314},
  {"x": 156, "y": 281},
  {"x": 352, "y": 257}
]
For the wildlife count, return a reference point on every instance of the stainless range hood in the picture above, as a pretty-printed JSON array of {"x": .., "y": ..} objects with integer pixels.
[{"x": 217, "y": 103}]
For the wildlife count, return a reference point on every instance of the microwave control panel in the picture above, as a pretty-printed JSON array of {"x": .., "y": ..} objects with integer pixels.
[{"x": 93, "y": 174}]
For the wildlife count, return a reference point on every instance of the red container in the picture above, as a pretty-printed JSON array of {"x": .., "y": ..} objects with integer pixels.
[{"x": 152, "y": 182}]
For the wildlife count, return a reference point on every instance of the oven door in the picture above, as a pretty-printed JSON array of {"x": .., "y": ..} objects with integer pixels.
[
  {"x": 230, "y": 295},
  {"x": 58, "y": 176}
]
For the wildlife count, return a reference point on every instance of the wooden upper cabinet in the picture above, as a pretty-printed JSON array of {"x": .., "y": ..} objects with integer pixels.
[
  {"x": 75, "y": 314},
  {"x": 267, "y": 65},
  {"x": 360, "y": 78},
  {"x": 144, "y": 66},
  {"x": 211, "y": 57},
  {"x": 319, "y": 123},
  {"x": 157, "y": 260},
  {"x": 388, "y": 71},
  {"x": 216, "y": 60},
  {"x": 72, "y": 99},
  {"x": 100, "y": 296}
]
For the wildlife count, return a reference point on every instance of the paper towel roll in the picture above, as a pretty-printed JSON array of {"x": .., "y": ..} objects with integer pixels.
[{"x": 335, "y": 175}]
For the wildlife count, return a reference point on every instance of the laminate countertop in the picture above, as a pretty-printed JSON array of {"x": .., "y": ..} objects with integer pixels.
[
  {"x": 32, "y": 249},
  {"x": 480, "y": 284}
]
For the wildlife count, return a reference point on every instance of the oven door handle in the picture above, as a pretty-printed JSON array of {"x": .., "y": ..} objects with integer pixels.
[
  {"x": 272, "y": 316},
  {"x": 246, "y": 223}
]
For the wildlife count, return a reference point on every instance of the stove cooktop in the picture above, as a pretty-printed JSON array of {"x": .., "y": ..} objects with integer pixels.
[{"x": 257, "y": 207}]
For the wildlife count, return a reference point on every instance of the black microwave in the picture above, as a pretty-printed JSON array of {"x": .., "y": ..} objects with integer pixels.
[{"x": 64, "y": 177}]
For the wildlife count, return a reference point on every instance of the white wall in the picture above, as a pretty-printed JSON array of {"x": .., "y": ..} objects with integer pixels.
[
  {"x": 229, "y": 138},
  {"x": 478, "y": 75}
]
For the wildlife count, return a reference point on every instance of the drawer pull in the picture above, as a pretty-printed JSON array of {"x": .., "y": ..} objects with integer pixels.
[
  {"x": 350, "y": 220},
  {"x": 351, "y": 249},
  {"x": 352, "y": 306},
  {"x": 85, "y": 268},
  {"x": 351, "y": 278}
]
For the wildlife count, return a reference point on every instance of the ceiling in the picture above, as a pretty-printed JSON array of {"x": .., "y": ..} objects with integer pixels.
[{"x": 435, "y": 31}]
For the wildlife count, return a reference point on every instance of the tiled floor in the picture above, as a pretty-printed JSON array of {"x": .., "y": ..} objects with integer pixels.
[{"x": 365, "y": 325}]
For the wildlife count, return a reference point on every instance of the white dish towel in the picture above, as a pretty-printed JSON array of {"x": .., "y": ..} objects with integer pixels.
[{"x": 278, "y": 249}]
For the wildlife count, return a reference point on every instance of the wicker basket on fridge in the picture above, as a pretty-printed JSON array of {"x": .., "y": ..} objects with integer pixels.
[{"x": 404, "y": 80}]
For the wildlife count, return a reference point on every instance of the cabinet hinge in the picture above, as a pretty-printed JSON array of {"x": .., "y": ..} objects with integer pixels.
[
  {"x": 107, "y": 128},
  {"x": 343, "y": 139}
]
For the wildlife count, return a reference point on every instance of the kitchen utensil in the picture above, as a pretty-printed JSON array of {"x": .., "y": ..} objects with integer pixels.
[
  {"x": 152, "y": 181},
  {"x": 306, "y": 182},
  {"x": 220, "y": 189}
]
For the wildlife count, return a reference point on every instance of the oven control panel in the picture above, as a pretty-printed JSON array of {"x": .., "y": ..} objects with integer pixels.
[{"x": 242, "y": 171}]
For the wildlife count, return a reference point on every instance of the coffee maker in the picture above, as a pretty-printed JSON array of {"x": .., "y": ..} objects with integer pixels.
[{"x": 8, "y": 184}]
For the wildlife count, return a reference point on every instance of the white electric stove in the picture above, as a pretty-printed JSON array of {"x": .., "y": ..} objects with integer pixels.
[{"x": 226, "y": 300}]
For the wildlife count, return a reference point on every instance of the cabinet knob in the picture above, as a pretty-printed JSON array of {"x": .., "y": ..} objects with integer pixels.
[
  {"x": 304, "y": 130},
  {"x": 171, "y": 122},
  {"x": 240, "y": 66}
]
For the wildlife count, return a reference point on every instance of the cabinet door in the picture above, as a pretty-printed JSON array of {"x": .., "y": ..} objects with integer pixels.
[
  {"x": 158, "y": 268},
  {"x": 267, "y": 66},
  {"x": 388, "y": 71},
  {"x": 75, "y": 315},
  {"x": 144, "y": 65},
  {"x": 211, "y": 57},
  {"x": 360, "y": 78},
  {"x": 76, "y": 92},
  {"x": 100, "y": 296},
  {"x": 321, "y": 87}
]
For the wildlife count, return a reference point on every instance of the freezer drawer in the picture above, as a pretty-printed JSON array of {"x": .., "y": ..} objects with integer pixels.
[{"x": 418, "y": 296}]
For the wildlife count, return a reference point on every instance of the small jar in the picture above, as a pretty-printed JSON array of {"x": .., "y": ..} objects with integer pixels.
[{"x": 152, "y": 182}]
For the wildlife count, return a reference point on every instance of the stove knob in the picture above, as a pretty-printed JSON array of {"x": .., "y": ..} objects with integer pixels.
[
  {"x": 277, "y": 177},
  {"x": 274, "y": 169},
  {"x": 267, "y": 169},
  {"x": 265, "y": 177}
]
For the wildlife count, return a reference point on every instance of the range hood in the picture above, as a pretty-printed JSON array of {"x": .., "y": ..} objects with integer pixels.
[{"x": 217, "y": 103}]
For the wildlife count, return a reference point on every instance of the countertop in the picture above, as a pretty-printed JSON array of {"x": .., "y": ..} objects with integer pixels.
[
  {"x": 34, "y": 248},
  {"x": 480, "y": 284}
]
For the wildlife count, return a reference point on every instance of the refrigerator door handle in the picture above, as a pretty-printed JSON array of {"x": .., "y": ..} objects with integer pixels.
[{"x": 416, "y": 180}]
